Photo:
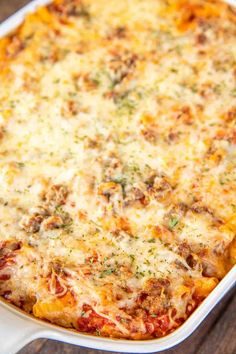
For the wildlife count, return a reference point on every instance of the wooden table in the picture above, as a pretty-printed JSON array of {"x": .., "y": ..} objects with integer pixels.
[{"x": 217, "y": 334}]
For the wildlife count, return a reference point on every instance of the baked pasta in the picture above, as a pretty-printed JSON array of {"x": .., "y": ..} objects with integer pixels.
[{"x": 118, "y": 162}]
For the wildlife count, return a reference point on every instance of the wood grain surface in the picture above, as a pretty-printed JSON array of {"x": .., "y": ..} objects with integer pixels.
[{"x": 217, "y": 334}]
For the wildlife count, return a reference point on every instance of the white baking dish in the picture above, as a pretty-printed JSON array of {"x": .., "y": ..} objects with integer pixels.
[{"x": 18, "y": 329}]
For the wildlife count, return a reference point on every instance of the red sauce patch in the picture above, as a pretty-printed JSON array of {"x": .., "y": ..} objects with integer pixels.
[
  {"x": 5, "y": 277},
  {"x": 157, "y": 326},
  {"x": 91, "y": 321}
]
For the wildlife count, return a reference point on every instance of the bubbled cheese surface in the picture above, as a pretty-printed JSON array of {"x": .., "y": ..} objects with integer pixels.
[{"x": 128, "y": 107}]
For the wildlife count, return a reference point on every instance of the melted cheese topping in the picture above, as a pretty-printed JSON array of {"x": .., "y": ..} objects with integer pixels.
[{"x": 117, "y": 171}]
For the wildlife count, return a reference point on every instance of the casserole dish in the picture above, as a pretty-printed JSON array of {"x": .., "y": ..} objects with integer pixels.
[
  {"x": 38, "y": 329},
  {"x": 26, "y": 329}
]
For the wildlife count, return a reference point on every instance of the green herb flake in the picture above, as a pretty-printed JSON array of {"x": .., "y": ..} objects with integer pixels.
[
  {"x": 173, "y": 222},
  {"x": 123, "y": 320},
  {"x": 20, "y": 164},
  {"x": 108, "y": 271},
  {"x": 132, "y": 257},
  {"x": 153, "y": 315},
  {"x": 98, "y": 333}
]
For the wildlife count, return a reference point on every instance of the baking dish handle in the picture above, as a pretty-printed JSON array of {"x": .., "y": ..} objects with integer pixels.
[{"x": 16, "y": 330}]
